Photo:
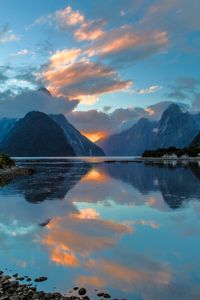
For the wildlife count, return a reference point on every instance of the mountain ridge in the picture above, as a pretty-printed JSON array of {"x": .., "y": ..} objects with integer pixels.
[{"x": 176, "y": 128}]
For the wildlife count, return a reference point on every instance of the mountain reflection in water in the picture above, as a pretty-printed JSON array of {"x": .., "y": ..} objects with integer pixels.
[{"x": 130, "y": 229}]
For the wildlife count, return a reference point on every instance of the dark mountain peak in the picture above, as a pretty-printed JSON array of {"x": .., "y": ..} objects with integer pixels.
[
  {"x": 35, "y": 114},
  {"x": 39, "y": 134},
  {"x": 44, "y": 90},
  {"x": 174, "y": 107},
  {"x": 176, "y": 128},
  {"x": 172, "y": 110},
  {"x": 36, "y": 135}
]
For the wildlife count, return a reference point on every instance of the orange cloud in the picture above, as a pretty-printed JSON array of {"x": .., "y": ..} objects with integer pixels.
[
  {"x": 96, "y": 281},
  {"x": 119, "y": 40},
  {"x": 77, "y": 235},
  {"x": 64, "y": 57},
  {"x": 81, "y": 80},
  {"x": 95, "y": 136},
  {"x": 60, "y": 256},
  {"x": 69, "y": 17},
  {"x": 117, "y": 275},
  {"x": 150, "y": 111},
  {"x": 87, "y": 213},
  {"x": 89, "y": 31}
]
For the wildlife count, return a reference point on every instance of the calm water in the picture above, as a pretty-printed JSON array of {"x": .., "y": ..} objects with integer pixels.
[{"x": 129, "y": 229}]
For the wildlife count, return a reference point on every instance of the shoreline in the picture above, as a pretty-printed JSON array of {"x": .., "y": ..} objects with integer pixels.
[
  {"x": 9, "y": 174},
  {"x": 185, "y": 161},
  {"x": 11, "y": 288}
]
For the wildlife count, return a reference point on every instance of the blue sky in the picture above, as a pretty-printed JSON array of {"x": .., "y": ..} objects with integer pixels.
[{"x": 104, "y": 57}]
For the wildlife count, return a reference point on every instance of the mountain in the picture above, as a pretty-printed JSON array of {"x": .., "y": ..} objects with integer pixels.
[
  {"x": 80, "y": 144},
  {"x": 169, "y": 182},
  {"x": 36, "y": 135},
  {"x": 5, "y": 126},
  {"x": 132, "y": 141},
  {"x": 176, "y": 128},
  {"x": 196, "y": 117},
  {"x": 196, "y": 141}
]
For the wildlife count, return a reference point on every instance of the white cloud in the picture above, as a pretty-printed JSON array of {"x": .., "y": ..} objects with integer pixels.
[
  {"x": 7, "y": 35},
  {"x": 23, "y": 52},
  {"x": 149, "y": 90}
]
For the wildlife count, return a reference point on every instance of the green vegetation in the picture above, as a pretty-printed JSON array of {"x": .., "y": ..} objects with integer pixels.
[{"x": 6, "y": 161}]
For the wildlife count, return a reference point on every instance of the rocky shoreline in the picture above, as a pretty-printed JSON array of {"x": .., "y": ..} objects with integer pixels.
[
  {"x": 11, "y": 288},
  {"x": 8, "y": 174}
]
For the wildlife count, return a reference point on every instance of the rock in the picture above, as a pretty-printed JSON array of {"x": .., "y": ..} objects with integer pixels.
[
  {"x": 100, "y": 294},
  {"x": 75, "y": 288},
  {"x": 82, "y": 291},
  {"x": 20, "y": 278},
  {"x": 86, "y": 298},
  {"x": 31, "y": 171},
  {"x": 41, "y": 279},
  {"x": 106, "y": 296}
]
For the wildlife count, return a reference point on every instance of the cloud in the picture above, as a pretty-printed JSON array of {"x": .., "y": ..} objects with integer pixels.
[
  {"x": 69, "y": 17},
  {"x": 126, "y": 277},
  {"x": 23, "y": 52},
  {"x": 184, "y": 89},
  {"x": 84, "y": 30},
  {"x": 64, "y": 18},
  {"x": 80, "y": 79},
  {"x": 77, "y": 235},
  {"x": 64, "y": 57},
  {"x": 7, "y": 35},
  {"x": 196, "y": 103},
  {"x": 19, "y": 105},
  {"x": 178, "y": 17},
  {"x": 90, "y": 31},
  {"x": 151, "y": 224},
  {"x": 150, "y": 90},
  {"x": 123, "y": 44},
  {"x": 181, "y": 13},
  {"x": 105, "y": 123}
]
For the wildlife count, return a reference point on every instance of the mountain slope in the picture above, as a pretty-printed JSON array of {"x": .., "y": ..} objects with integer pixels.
[
  {"x": 175, "y": 128},
  {"x": 80, "y": 144},
  {"x": 132, "y": 141},
  {"x": 5, "y": 126},
  {"x": 196, "y": 141},
  {"x": 36, "y": 135}
]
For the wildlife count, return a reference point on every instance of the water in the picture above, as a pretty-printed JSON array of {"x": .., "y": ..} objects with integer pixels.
[{"x": 126, "y": 228}]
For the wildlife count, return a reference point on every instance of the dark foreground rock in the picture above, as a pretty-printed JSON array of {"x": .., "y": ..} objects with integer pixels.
[{"x": 10, "y": 288}]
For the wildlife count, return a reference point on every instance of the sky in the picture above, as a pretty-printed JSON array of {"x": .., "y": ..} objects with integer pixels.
[{"x": 106, "y": 63}]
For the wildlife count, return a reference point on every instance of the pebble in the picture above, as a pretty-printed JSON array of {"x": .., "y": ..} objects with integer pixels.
[
  {"x": 41, "y": 279},
  {"x": 82, "y": 291},
  {"x": 106, "y": 296}
]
